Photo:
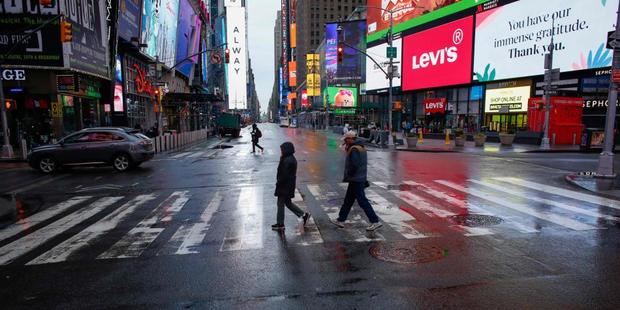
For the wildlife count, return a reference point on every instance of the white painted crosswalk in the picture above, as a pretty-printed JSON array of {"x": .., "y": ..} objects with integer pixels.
[{"x": 238, "y": 218}]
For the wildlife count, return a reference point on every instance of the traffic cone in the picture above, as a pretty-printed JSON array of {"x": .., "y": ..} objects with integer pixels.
[
  {"x": 421, "y": 138},
  {"x": 447, "y": 137}
]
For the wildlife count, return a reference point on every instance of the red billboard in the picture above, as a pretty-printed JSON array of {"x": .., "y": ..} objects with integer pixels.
[
  {"x": 404, "y": 10},
  {"x": 440, "y": 56}
]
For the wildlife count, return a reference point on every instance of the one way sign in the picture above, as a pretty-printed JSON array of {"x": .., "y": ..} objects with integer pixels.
[{"x": 612, "y": 40}]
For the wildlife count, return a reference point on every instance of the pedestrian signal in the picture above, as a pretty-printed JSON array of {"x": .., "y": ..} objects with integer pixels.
[
  {"x": 340, "y": 52},
  {"x": 47, "y": 3},
  {"x": 65, "y": 31},
  {"x": 10, "y": 104}
]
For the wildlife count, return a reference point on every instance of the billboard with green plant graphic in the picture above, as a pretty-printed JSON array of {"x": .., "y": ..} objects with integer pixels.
[{"x": 511, "y": 40}]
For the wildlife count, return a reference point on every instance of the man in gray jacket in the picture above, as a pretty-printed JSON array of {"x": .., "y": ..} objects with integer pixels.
[{"x": 355, "y": 173}]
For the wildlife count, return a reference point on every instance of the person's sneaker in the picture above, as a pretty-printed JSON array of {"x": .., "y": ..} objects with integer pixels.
[
  {"x": 306, "y": 217},
  {"x": 374, "y": 226},
  {"x": 277, "y": 227},
  {"x": 337, "y": 223}
]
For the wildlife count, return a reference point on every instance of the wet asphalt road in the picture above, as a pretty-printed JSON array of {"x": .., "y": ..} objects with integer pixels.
[{"x": 191, "y": 230}]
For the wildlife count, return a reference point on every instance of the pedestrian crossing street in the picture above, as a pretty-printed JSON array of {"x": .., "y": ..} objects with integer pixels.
[{"x": 184, "y": 222}]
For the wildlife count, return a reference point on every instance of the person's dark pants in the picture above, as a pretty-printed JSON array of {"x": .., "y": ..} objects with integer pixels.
[
  {"x": 355, "y": 191},
  {"x": 286, "y": 201},
  {"x": 255, "y": 145}
]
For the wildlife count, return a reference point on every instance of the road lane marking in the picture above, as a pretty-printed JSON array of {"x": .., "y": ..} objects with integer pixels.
[
  {"x": 196, "y": 154},
  {"x": 553, "y": 218},
  {"x": 469, "y": 206},
  {"x": 248, "y": 234},
  {"x": 86, "y": 237},
  {"x": 189, "y": 237},
  {"x": 141, "y": 236},
  {"x": 593, "y": 199},
  {"x": 546, "y": 201},
  {"x": 181, "y": 155},
  {"x": 23, "y": 188},
  {"x": 19, "y": 247},
  {"x": 29, "y": 222},
  {"x": 391, "y": 214}
]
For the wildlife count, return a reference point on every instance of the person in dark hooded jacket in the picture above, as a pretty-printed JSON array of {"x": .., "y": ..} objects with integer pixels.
[{"x": 285, "y": 186}]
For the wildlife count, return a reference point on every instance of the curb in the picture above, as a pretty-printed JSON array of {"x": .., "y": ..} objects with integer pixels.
[
  {"x": 428, "y": 151},
  {"x": 570, "y": 179},
  {"x": 553, "y": 151}
]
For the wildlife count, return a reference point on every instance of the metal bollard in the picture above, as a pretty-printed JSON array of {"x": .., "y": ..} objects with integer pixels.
[
  {"x": 574, "y": 138},
  {"x": 553, "y": 140}
]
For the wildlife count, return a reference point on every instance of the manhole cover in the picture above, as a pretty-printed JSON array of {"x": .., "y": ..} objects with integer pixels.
[
  {"x": 222, "y": 146},
  {"x": 407, "y": 253},
  {"x": 476, "y": 220}
]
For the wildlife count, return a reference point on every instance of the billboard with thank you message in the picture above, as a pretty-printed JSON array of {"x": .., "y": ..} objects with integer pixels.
[
  {"x": 439, "y": 56},
  {"x": 511, "y": 40},
  {"x": 341, "y": 97}
]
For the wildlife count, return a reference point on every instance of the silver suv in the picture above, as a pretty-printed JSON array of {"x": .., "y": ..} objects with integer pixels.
[{"x": 123, "y": 148}]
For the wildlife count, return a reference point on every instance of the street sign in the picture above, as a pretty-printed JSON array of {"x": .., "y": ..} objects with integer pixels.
[
  {"x": 56, "y": 109},
  {"x": 391, "y": 52},
  {"x": 612, "y": 40},
  {"x": 552, "y": 75}
]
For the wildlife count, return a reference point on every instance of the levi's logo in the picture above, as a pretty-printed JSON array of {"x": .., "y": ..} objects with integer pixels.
[
  {"x": 441, "y": 56},
  {"x": 434, "y": 105}
]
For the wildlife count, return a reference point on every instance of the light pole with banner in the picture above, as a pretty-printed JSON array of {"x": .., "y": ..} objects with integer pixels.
[
  {"x": 391, "y": 54},
  {"x": 606, "y": 159}
]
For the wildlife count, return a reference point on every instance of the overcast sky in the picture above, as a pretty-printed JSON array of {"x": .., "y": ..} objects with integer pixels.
[{"x": 261, "y": 19}]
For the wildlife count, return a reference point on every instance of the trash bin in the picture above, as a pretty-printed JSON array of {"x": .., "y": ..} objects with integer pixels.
[{"x": 593, "y": 139}]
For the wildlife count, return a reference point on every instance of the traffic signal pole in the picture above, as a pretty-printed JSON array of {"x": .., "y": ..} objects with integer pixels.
[
  {"x": 606, "y": 159},
  {"x": 390, "y": 72}
]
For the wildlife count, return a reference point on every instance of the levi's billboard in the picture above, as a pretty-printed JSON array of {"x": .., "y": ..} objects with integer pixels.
[{"x": 440, "y": 56}]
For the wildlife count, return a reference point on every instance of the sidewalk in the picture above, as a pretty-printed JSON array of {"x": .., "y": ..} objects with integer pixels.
[
  {"x": 609, "y": 188},
  {"x": 439, "y": 146}
]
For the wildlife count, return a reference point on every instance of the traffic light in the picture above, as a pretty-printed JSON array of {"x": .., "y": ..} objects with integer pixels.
[
  {"x": 227, "y": 55},
  {"x": 47, "y": 3},
  {"x": 65, "y": 31},
  {"x": 340, "y": 52},
  {"x": 10, "y": 104}
]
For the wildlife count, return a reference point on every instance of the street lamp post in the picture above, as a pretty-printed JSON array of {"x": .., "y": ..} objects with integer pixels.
[
  {"x": 606, "y": 159},
  {"x": 545, "y": 145}
]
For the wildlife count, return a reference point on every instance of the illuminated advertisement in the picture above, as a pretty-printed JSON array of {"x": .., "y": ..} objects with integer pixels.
[
  {"x": 511, "y": 40},
  {"x": 129, "y": 19},
  {"x": 440, "y": 56},
  {"x": 159, "y": 23},
  {"x": 118, "y": 86},
  {"x": 304, "y": 99},
  {"x": 352, "y": 37},
  {"x": 292, "y": 73},
  {"x": 205, "y": 64},
  {"x": 237, "y": 67},
  {"x": 185, "y": 38},
  {"x": 341, "y": 97},
  {"x": 375, "y": 77},
  {"x": 499, "y": 99},
  {"x": 408, "y": 14}
]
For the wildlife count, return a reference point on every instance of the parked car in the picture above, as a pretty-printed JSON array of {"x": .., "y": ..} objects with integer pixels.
[{"x": 122, "y": 148}]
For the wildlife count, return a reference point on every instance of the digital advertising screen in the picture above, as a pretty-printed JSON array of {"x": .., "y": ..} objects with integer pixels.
[
  {"x": 341, "y": 97},
  {"x": 440, "y": 56},
  {"x": 375, "y": 77},
  {"x": 511, "y": 40},
  {"x": 353, "y": 39}
]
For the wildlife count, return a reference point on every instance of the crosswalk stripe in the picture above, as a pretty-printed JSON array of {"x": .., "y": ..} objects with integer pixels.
[
  {"x": 546, "y": 201},
  {"x": 72, "y": 245},
  {"x": 553, "y": 218},
  {"x": 315, "y": 190},
  {"x": 197, "y": 232},
  {"x": 29, "y": 222},
  {"x": 614, "y": 204},
  {"x": 141, "y": 236},
  {"x": 298, "y": 198},
  {"x": 249, "y": 233},
  {"x": 19, "y": 247},
  {"x": 469, "y": 206},
  {"x": 196, "y": 154},
  {"x": 392, "y": 215},
  {"x": 310, "y": 234},
  {"x": 181, "y": 155}
]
